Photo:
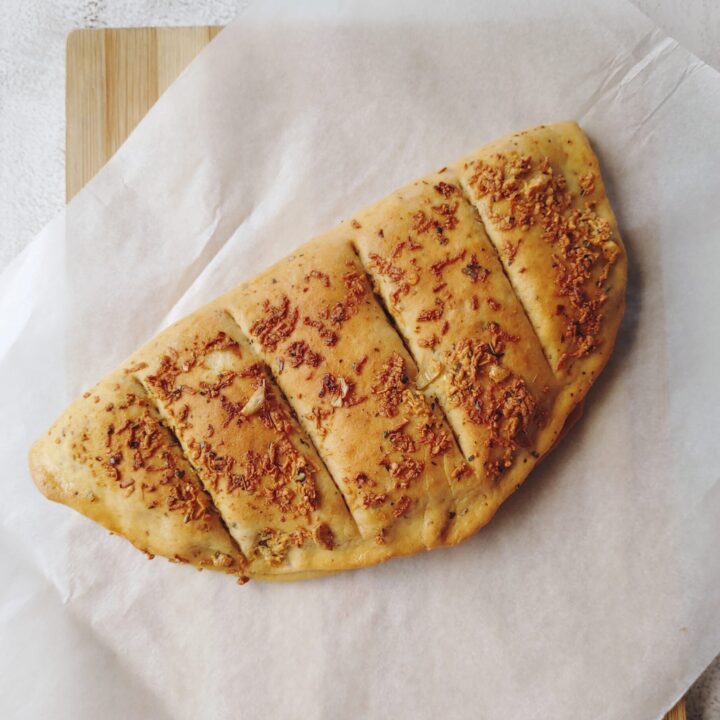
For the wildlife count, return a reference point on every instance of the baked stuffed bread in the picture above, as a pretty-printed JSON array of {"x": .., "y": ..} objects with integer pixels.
[{"x": 379, "y": 392}]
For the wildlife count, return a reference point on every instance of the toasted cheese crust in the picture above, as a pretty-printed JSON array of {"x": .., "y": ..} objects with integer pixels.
[{"x": 379, "y": 392}]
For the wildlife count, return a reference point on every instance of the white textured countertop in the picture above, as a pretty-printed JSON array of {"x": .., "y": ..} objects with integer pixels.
[{"x": 32, "y": 129}]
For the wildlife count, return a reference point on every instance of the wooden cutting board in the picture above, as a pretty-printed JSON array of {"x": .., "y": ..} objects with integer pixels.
[{"x": 113, "y": 78}]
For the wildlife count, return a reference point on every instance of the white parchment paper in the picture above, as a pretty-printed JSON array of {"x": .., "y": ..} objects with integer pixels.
[{"x": 595, "y": 593}]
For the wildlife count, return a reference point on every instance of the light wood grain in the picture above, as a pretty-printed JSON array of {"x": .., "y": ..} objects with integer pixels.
[
  {"x": 678, "y": 712},
  {"x": 113, "y": 78}
]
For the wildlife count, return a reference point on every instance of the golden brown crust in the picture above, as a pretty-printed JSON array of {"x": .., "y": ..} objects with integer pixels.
[
  {"x": 110, "y": 458},
  {"x": 543, "y": 203},
  {"x": 379, "y": 392},
  {"x": 261, "y": 471},
  {"x": 343, "y": 367},
  {"x": 443, "y": 284}
]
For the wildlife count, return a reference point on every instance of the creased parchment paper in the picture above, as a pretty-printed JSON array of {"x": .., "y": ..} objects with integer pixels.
[{"x": 595, "y": 593}]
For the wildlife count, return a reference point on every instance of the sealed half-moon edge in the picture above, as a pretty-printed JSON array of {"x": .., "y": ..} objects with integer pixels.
[{"x": 379, "y": 392}]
